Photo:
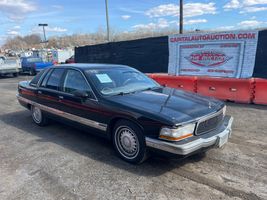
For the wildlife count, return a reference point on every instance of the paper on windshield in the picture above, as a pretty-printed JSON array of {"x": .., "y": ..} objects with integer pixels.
[{"x": 103, "y": 78}]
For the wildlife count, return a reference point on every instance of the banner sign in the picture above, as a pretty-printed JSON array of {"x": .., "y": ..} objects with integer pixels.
[{"x": 227, "y": 54}]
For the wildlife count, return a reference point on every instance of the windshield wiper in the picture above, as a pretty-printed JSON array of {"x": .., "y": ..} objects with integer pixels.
[
  {"x": 129, "y": 92},
  {"x": 150, "y": 88},
  {"x": 123, "y": 93}
]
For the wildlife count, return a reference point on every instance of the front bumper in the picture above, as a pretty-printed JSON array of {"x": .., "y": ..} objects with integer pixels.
[
  {"x": 216, "y": 138},
  {"x": 9, "y": 71}
]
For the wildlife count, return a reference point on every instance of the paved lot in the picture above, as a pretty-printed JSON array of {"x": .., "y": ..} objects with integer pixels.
[{"x": 59, "y": 162}]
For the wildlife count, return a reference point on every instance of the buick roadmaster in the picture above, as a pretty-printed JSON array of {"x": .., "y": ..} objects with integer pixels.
[{"x": 124, "y": 105}]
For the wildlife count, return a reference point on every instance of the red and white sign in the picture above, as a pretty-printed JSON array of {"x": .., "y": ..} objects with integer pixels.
[
  {"x": 217, "y": 54},
  {"x": 208, "y": 58}
]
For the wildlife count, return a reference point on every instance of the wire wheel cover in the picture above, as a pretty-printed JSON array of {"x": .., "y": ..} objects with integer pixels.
[{"x": 127, "y": 142}]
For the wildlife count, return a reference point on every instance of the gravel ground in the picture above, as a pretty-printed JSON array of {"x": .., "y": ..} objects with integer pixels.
[{"x": 59, "y": 162}]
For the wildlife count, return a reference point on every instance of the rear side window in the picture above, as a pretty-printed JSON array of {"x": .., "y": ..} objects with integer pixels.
[
  {"x": 44, "y": 81},
  {"x": 53, "y": 81},
  {"x": 74, "y": 81},
  {"x": 36, "y": 79}
]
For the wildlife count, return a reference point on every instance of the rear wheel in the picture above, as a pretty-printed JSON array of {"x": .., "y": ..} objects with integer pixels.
[
  {"x": 15, "y": 74},
  {"x": 129, "y": 142},
  {"x": 32, "y": 72},
  {"x": 38, "y": 116}
]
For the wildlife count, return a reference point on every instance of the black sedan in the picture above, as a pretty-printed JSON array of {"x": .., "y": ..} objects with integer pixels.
[{"x": 122, "y": 104}]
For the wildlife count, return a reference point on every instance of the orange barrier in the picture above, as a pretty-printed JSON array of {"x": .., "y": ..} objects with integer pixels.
[
  {"x": 179, "y": 82},
  {"x": 260, "y": 94},
  {"x": 237, "y": 90},
  {"x": 253, "y": 90}
]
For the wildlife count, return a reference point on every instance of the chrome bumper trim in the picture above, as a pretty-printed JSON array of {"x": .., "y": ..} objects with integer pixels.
[
  {"x": 87, "y": 122},
  {"x": 184, "y": 149}
]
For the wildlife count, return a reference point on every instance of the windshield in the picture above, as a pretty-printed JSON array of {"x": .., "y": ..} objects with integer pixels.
[
  {"x": 120, "y": 81},
  {"x": 34, "y": 60}
]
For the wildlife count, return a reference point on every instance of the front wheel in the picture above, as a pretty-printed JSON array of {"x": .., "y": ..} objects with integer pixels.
[
  {"x": 38, "y": 116},
  {"x": 129, "y": 142}
]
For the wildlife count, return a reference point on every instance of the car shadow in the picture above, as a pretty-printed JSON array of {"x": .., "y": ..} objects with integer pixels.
[{"x": 93, "y": 147}]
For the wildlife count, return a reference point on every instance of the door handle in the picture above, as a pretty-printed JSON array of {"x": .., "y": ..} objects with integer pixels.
[
  {"x": 60, "y": 97},
  {"x": 39, "y": 92}
]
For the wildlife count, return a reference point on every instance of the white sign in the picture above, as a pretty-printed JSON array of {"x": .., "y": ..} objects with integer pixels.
[
  {"x": 227, "y": 54},
  {"x": 103, "y": 78}
]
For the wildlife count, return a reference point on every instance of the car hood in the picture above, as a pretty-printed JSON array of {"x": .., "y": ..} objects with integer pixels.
[{"x": 174, "y": 105}]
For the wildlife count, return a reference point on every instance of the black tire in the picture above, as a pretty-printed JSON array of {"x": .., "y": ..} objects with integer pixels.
[
  {"x": 40, "y": 120},
  {"x": 32, "y": 72},
  {"x": 129, "y": 142},
  {"x": 15, "y": 74}
]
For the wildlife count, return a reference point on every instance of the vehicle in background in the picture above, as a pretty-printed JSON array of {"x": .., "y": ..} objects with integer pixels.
[
  {"x": 11, "y": 53},
  {"x": 70, "y": 60},
  {"x": 41, "y": 53},
  {"x": 33, "y": 65},
  {"x": 9, "y": 66},
  {"x": 60, "y": 56},
  {"x": 2, "y": 59},
  {"x": 26, "y": 54}
]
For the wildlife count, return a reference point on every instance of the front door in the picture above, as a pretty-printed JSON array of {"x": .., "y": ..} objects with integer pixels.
[{"x": 85, "y": 110}]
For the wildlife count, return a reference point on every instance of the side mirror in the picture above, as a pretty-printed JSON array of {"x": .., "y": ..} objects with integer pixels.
[{"x": 81, "y": 94}]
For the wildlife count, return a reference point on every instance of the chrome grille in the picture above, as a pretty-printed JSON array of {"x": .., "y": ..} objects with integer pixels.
[{"x": 209, "y": 124}]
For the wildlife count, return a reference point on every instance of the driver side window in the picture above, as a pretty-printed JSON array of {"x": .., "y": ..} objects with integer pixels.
[{"x": 75, "y": 81}]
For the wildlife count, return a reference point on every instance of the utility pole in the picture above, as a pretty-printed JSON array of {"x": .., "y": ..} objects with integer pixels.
[
  {"x": 181, "y": 16},
  {"x": 43, "y": 25},
  {"x": 107, "y": 19},
  {"x": 45, "y": 41}
]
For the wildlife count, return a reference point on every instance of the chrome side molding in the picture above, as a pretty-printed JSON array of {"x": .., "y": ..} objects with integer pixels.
[{"x": 69, "y": 116}]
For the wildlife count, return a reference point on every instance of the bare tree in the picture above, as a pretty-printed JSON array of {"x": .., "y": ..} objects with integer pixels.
[
  {"x": 34, "y": 41},
  {"x": 22, "y": 43}
]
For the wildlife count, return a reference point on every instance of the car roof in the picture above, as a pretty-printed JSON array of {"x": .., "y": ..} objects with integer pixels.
[{"x": 85, "y": 66}]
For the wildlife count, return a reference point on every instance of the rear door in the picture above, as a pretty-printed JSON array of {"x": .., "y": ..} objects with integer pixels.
[
  {"x": 39, "y": 64},
  {"x": 24, "y": 64},
  {"x": 48, "y": 91}
]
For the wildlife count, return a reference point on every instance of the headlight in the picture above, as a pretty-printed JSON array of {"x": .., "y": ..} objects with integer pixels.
[{"x": 177, "y": 134}]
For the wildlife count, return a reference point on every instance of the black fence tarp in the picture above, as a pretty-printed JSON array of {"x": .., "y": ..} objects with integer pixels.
[
  {"x": 151, "y": 55},
  {"x": 148, "y": 55},
  {"x": 260, "y": 69}
]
